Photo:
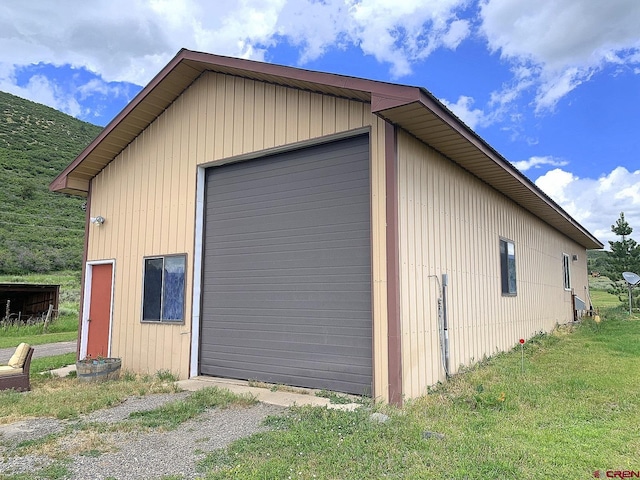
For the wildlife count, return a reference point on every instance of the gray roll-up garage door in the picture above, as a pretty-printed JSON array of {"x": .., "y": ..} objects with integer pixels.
[{"x": 287, "y": 269}]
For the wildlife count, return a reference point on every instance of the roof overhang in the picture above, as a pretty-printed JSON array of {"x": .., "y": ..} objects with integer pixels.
[{"x": 411, "y": 108}]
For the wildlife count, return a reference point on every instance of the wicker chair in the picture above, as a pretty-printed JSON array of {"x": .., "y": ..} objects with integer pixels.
[{"x": 15, "y": 375}]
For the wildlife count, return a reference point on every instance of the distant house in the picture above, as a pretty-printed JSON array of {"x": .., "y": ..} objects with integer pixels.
[{"x": 255, "y": 221}]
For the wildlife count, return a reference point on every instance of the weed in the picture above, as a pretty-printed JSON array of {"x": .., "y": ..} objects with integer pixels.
[
  {"x": 338, "y": 398},
  {"x": 55, "y": 471},
  {"x": 127, "y": 376},
  {"x": 171, "y": 415},
  {"x": 166, "y": 376},
  {"x": 278, "y": 387},
  {"x": 91, "y": 453}
]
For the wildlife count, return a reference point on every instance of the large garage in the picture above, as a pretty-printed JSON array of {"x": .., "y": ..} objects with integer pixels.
[{"x": 286, "y": 286}]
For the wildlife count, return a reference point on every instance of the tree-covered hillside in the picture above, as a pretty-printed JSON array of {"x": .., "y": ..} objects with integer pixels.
[{"x": 40, "y": 231}]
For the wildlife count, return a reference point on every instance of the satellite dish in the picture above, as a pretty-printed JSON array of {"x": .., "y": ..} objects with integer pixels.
[{"x": 631, "y": 278}]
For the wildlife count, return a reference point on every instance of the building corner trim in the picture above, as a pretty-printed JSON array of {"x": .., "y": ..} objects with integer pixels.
[
  {"x": 83, "y": 275},
  {"x": 394, "y": 339}
]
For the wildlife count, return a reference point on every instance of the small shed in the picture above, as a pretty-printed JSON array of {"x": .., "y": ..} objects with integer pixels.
[{"x": 25, "y": 300}]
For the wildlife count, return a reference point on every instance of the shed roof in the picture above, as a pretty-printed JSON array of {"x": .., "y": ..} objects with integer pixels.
[{"x": 411, "y": 108}]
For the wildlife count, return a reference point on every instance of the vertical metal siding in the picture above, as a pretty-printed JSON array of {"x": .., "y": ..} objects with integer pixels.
[
  {"x": 216, "y": 117},
  {"x": 450, "y": 222}
]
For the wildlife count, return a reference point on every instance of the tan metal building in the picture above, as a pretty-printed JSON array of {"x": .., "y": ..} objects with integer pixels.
[{"x": 263, "y": 222}]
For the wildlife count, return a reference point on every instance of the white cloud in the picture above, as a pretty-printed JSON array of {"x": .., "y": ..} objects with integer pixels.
[
  {"x": 537, "y": 162},
  {"x": 131, "y": 40},
  {"x": 472, "y": 117},
  {"x": 397, "y": 33},
  {"x": 564, "y": 43},
  {"x": 41, "y": 90},
  {"x": 124, "y": 40},
  {"x": 597, "y": 203}
]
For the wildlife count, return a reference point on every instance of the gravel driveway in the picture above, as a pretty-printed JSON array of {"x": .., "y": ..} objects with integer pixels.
[{"x": 136, "y": 454}]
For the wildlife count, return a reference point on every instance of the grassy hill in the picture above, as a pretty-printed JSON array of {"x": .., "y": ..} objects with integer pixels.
[{"x": 40, "y": 231}]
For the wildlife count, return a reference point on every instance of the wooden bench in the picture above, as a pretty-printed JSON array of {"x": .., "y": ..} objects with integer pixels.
[{"x": 15, "y": 375}]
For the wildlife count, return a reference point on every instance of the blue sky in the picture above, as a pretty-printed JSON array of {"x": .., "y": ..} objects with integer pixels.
[{"x": 553, "y": 85}]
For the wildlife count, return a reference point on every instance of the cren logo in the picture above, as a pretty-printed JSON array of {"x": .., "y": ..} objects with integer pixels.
[{"x": 621, "y": 474}]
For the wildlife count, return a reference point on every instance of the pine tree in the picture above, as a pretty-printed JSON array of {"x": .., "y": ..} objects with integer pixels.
[{"x": 625, "y": 254}]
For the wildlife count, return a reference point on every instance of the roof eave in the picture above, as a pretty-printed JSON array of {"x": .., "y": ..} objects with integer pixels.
[
  {"x": 59, "y": 183},
  {"x": 429, "y": 106}
]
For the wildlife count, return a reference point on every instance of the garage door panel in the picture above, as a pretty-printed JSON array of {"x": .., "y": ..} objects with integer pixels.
[
  {"x": 312, "y": 302},
  {"x": 301, "y": 368},
  {"x": 335, "y": 283},
  {"x": 300, "y": 340},
  {"x": 287, "y": 269},
  {"x": 286, "y": 263},
  {"x": 298, "y": 377},
  {"x": 305, "y": 365},
  {"x": 284, "y": 245},
  {"x": 345, "y": 272},
  {"x": 232, "y": 240},
  {"x": 254, "y": 193},
  {"x": 288, "y": 348},
  {"x": 277, "y": 329},
  {"x": 313, "y": 163},
  {"x": 305, "y": 216},
  {"x": 257, "y": 315}
]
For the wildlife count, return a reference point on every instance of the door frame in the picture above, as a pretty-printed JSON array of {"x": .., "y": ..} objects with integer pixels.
[{"x": 86, "y": 304}]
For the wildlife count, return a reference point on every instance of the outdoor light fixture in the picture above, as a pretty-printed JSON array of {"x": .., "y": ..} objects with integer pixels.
[{"x": 99, "y": 220}]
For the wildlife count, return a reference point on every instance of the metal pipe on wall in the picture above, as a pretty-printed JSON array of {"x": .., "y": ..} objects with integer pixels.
[{"x": 445, "y": 322}]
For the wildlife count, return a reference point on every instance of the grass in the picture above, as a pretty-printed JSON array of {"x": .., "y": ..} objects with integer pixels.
[
  {"x": 66, "y": 398},
  {"x": 604, "y": 299},
  {"x": 171, "y": 415},
  {"x": 64, "y": 329},
  {"x": 39, "y": 365},
  {"x": 56, "y": 471},
  {"x": 575, "y": 410}
]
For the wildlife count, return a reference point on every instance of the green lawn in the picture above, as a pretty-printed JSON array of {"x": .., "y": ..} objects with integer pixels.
[
  {"x": 62, "y": 329},
  {"x": 574, "y": 410},
  {"x": 603, "y": 299}
]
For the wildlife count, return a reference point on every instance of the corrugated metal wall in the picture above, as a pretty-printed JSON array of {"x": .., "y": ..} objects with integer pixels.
[
  {"x": 147, "y": 195},
  {"x": 450, "y": 222}
]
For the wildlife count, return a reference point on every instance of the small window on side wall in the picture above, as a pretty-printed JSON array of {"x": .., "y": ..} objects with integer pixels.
[
  {"x": 566, "y": 272},
  {"x": 163, "y": 289},
  {"x": 508, "y": 267}
]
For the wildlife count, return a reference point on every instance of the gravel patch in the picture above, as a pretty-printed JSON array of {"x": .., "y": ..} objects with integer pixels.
[
  {"x": 137, "y": 454},
  {"x": 134, "y": 404}
]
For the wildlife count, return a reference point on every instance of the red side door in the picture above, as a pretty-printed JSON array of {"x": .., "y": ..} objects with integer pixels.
[{"x": 100, "y": 311}]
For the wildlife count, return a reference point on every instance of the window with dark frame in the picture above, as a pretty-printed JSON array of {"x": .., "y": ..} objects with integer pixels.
[
  {"x": 163, "y": 288},
  {"x": 508, "y": 267},
  {"x": 566, "y": 272}
]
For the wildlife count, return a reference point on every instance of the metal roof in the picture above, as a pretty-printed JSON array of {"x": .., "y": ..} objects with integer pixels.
[{"x": 411, "y": 108}]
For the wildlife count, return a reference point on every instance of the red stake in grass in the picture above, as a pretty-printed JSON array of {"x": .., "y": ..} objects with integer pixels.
[{"x": 522, "y": 350}]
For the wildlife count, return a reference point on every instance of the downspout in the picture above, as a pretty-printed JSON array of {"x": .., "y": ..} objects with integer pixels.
[{"x": 445, "y": 322}]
